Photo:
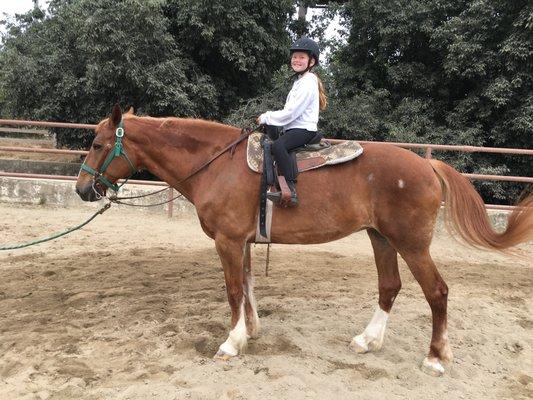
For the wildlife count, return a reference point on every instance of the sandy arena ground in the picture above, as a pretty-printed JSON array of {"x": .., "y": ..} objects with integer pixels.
[{"x": 134, "y": 307}]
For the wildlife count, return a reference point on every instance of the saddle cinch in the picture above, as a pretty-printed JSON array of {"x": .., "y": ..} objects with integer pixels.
[{"x": 317, "y": 153}]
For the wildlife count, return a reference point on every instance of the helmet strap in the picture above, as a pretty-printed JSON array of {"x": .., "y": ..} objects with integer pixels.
[{"x": 309, "y": 66}]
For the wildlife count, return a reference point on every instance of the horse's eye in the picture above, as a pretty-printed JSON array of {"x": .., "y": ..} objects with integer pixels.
[{"x": 97, "y": 146}]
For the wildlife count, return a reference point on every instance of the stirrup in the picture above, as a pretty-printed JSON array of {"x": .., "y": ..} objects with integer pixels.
[
  {"x": 275, "y": 197},
  {"x": 294, "y": 198}
]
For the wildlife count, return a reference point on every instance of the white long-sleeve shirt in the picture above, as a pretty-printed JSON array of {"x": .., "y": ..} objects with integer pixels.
[{"x": 301, "y": 107}]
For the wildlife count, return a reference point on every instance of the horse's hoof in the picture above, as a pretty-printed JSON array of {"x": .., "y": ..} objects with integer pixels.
[
  {"x": 432, "y": 366},
  {"x": 253, "y": 332},
  {"x": 222, "y": 356},
  {"x": 225, "y": 352},
  {"x": 360, "y": 345}
]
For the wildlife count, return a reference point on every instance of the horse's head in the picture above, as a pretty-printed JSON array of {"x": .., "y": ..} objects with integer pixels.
[{"x": 109, "y": 159}]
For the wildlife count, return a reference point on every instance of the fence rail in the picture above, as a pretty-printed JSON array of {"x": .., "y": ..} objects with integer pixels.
[
  {"x": 42, "y": 150},
  {"x": 47, "y": 124},
  {"x": 507, "y": 178},
  {"x": 40, "y": 132},
  {"x": 429, "y": 148}
]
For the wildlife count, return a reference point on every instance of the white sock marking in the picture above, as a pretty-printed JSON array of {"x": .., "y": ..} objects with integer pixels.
[
  {"x": 433, "y": 366},
  {"x": 372, "y": 337},
  {"x": 237, "y": 337}
]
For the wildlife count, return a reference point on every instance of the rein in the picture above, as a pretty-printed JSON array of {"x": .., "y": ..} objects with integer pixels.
[{"x": 245, "y": 132}]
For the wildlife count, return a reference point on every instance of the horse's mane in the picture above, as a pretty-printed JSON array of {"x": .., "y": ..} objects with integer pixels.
[{"x": 168, "y": 125}]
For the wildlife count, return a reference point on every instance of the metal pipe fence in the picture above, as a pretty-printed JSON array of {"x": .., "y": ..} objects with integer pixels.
[
  {"x": 429, "y": 148},
  {"x": 46, "y": 124},
  {"x": 73, "y": 178}
]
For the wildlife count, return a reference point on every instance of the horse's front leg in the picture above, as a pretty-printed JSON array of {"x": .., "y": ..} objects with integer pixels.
[
  {"x": 232, "y": 253},
  {"x": 252, "y": 319}
]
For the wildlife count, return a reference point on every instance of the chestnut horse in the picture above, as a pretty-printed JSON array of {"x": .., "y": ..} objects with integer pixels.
[{"x": 390, "y": 192}]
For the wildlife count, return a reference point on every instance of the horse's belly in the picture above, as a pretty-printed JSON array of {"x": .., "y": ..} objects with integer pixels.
[{"x": 317, "y": 224}]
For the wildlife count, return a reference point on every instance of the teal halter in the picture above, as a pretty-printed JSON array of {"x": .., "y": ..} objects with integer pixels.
[{"x": 117, "y": 151}]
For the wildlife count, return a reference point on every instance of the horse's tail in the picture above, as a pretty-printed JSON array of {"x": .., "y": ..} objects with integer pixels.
[{"x": 465, "y": 213}]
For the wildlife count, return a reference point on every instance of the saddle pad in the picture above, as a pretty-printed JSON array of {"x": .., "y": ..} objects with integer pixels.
[{"x": 335, "y": 154}]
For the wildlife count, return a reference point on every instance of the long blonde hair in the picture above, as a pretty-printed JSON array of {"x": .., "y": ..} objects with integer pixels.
[{"x": 322, "y": 96}]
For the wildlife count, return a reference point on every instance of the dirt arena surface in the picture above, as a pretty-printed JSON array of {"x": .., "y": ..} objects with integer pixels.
[{"x": 134, "y": 307}]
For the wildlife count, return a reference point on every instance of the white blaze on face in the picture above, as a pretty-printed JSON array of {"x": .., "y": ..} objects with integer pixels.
[
  {"x": 372, "y": 337},
  {"x": 401, "y": 184},
  {"x": 237, "y": 337}
]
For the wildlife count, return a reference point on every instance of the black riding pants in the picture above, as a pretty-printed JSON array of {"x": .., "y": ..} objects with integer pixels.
[{"x": 292, "y": 139}]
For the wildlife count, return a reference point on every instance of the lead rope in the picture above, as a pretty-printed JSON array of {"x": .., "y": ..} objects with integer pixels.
[
  {"x": 115, "y": 197},
  {"x": 58, "y": 235},
  {"x": 118, "y": 200},
  {"x": 111, "y": 199}
]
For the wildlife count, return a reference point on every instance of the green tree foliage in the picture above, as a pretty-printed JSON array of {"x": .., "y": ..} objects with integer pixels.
[
  {"x": 238, "y": 43},
  {"x": 164, "y": 57},
  {"x": 88, "y": 55},
  {"x": 447, "y": 71}
]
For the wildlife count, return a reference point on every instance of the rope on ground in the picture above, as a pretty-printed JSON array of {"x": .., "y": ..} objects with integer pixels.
[
  {"x": 112, "y": 199},
  {"x": 20, "y": 246}
]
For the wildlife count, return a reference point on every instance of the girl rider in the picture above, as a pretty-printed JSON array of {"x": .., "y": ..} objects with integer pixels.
[{"x": 299, "y": 117}]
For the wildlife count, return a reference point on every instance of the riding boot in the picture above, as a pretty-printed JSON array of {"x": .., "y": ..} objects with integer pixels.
[{"x": 294, "y": 196}]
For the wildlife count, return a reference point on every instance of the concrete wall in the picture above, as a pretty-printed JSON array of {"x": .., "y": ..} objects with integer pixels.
[
  {"x": 63, "y": 194},
  {"x": 39, "y": 167}
]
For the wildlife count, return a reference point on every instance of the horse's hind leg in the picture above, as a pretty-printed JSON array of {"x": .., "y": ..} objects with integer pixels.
[
  {"x": 252, "y": 319},
  {"x": 389, "y": 285},
  {"x": 436, "y": 292}
]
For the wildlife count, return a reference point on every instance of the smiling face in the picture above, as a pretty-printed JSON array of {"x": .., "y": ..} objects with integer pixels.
[{"x": 300, "y": 60}]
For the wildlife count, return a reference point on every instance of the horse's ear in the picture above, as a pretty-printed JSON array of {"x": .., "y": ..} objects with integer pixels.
[
  {"x": 131, "y": 111},
  {"x": 116, "y": 115}
]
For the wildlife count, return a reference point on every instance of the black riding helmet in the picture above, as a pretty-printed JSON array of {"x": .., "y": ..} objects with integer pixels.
[{"x": 307, "y": 45}]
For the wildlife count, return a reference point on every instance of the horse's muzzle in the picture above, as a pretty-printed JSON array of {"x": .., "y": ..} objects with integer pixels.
[{"x": 90, "y": 192}]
